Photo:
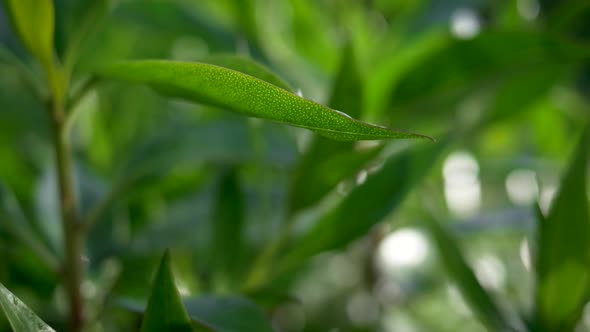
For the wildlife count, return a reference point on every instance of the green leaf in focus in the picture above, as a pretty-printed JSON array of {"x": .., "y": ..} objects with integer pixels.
[
  {"x": 456, "y": 266},
  {"x": 21, "y": 318},
  {"x": 232, "y": 90},
  {"x": 33, "y": 21},
  {"x": 563, "y": 276},
  {"x": 165, "y": 311},
  {"x": 248, "y": 67}
]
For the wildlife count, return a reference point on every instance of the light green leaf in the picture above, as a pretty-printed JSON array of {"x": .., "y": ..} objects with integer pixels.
[
  {"x": 165, "y": 311},
  {"x": 248, "y": 95},
  {"x": 247, "y": 66},
  {"x": 563, "y": 276},
  {"x": 33, "y": 21},
  {"x": 480, "y": 301},
  {"x": 21, "y": 318}
]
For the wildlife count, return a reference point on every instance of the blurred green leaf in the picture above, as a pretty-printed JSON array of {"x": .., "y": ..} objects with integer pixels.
[
  {"x": 80, "y": 18},
  {"x": 228, "y": 220},
  {"x": 367, "y": 204},
  {"x": 33, "y": 21},
  {"x": 13, "y": 219},
  {"x": 451, "y": 256},
  {"x": 227, "y": 314},
  {"x": 165, "y": 311},
  {"x": 388, "y": 73},
  {"x": 327, "y": 162},
  {"x": 245, "y": 94},
  {"x": 247, "y": 66},
  {"x": 522, "y": 89},
  {"x": 563, "y": 276},
  {"x": 490, "y": 57},
  {"x": 21, "y": 318},
  {"x": 219, "y": 313}
]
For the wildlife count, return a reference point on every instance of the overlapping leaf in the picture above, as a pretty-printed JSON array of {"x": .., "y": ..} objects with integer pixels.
[{"x": 326, "y": 162}]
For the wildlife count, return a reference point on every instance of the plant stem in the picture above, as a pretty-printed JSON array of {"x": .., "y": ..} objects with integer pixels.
[{"x": 73, "y": 268}]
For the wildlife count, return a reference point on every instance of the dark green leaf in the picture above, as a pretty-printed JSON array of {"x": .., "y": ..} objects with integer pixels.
[
  {"x": 227, "y": 314},
  {"x": 227, "y": 228},
  {"x": 456, "y": 266},
  {"x": 13, "y": 220},
  {"x": 463, "y": 66},
  {"x": 33, "y": 21},
  {"x": 367, "y": 204},
  {"x": 563, "y": 276},
  {"x": 165, "y": 311},
  {"x": 245, "y": 94},
  {"x": 219, "y": 314},
  {"x": 21, "y": 318}
]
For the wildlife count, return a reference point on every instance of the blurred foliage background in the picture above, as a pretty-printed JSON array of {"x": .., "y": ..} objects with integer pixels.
[{"x": 321, "y": 236}]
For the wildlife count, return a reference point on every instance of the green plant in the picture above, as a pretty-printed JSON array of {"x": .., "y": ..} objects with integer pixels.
[{"x": 113, "y": 174}]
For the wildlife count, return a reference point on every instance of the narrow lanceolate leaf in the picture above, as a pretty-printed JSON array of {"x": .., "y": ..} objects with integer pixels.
[
  {"x": 33, "y": 21},
  {"x": 20, "y": 317},
  {"x": 235, "y": 91},
  {"x": 563, "y": 273},
  {"x": 165, "y": 311},
  {"x": 247, "y": 66},
  {"x": 459, "y": 271}
]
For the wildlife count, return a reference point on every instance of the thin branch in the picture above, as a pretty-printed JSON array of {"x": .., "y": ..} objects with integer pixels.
[{"x": 74, "y": 239}]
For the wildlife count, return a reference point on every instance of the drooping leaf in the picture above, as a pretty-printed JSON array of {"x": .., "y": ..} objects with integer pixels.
[
  {"x": 21, "y": 318},
  {"x": 327, "y": 162},
  {"x": 480, "y": 301},
  {"x": 563, "y": 276},
  {"x": 165, "y": 311},
  {"x": 247, "y": 66},
  {"x": 248, "y": 95},
  {"x": 367, "y": 204},
  {"x": 33, "y": 21}
]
